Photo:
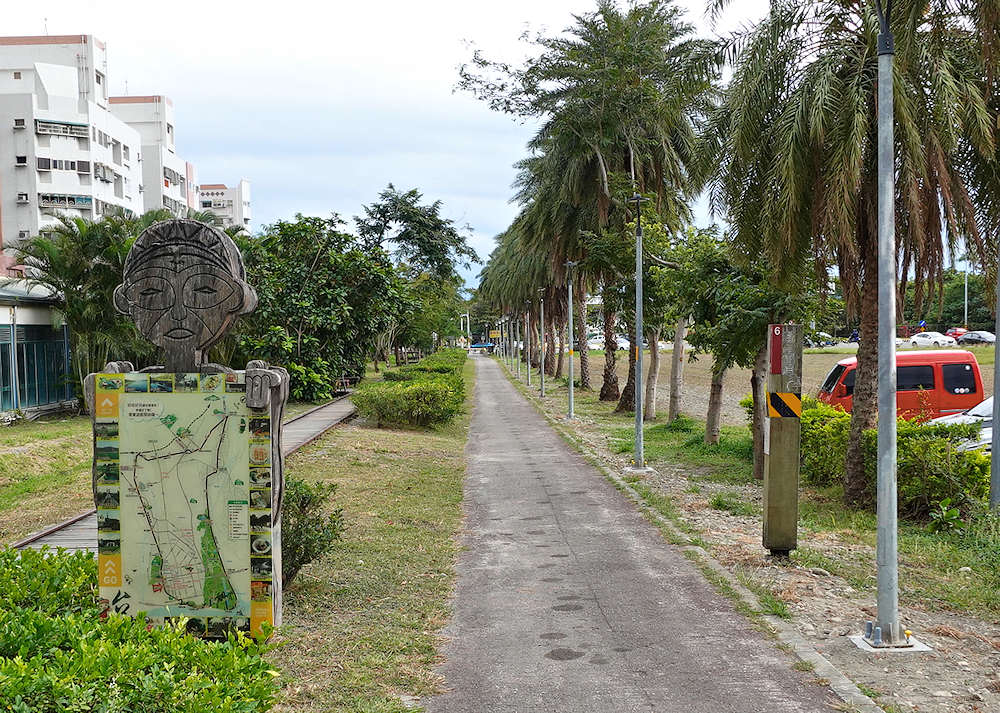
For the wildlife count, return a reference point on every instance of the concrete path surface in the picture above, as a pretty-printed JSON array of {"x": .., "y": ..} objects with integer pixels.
[{"x": 568, "y": 600}]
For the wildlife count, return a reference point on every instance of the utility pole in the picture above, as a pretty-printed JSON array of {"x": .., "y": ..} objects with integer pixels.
[
  {"x": 886, "y": 630},
  {"x": 569, "y": 291},
  {"x": 541, "y": 343}
]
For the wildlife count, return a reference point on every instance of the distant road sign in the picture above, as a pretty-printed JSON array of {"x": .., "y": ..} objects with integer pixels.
[{"x": 494, "y": 334}]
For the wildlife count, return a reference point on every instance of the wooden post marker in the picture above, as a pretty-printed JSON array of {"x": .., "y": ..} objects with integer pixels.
[{"x": 782, "y": 440}]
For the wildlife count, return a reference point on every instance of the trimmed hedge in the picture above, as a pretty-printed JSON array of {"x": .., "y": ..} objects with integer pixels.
[
  {"x": 57, "y": 655},
  {"x": 428, "y": 392},
  {"x": 929, "y": 466}
]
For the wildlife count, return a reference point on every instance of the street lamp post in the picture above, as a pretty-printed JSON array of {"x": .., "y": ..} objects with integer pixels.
[
  {"x": 541, "y": 342},
  {"x": 886, "y": 630},
  {"x": 640, "y": 457},
  {"x": 569, "y": 292},
  {"x": 517, "y": 344}
]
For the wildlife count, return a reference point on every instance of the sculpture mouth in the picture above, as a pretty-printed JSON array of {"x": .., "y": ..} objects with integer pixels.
[{"x": 179, "y": 333}]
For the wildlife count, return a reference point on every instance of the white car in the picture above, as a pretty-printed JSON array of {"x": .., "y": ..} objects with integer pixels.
[
  {"x": 595, "y": 344},
  {"x": 980, "y": 413},
  {"x": 931, "y": 339}
]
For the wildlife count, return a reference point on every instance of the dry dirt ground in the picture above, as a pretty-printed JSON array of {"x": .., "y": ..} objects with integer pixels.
[
  {"x": 962, "y": 672},
  {"x": 698, "y": 377}
]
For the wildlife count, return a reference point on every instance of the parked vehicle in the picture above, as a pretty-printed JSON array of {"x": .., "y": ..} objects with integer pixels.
[
  {"x": 956, "y": 332},
  {"x": 977, "y": 337},
  {"x": 931, "y": 339},
  {"x": 928, "y": 384},
  {"x": 819, "y": 339},
  {"x": 981, "y": 412}
]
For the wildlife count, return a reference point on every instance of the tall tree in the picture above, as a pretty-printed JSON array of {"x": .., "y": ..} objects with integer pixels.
[
  {"x": 795, "y": 138},
  {"x": 617, "y": 93}
]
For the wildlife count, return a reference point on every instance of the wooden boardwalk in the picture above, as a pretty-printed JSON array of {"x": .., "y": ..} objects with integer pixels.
[{"x": 80, "y": 531}]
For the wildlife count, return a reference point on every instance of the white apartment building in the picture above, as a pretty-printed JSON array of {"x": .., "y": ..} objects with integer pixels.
[
  {"x": 232, "y": 205},
  {"x": 61, "y": 148},
  {"x": 168, "y": 181}
]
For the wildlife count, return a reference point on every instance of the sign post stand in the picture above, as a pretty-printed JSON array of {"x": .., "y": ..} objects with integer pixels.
[{"x": 782, "y": 443}]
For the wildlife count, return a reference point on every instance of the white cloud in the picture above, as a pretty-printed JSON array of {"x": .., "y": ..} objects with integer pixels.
[{"x": 320, "y": 105}]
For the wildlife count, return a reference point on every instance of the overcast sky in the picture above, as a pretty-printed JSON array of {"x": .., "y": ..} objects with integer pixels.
[{"x": 320, "y": 105}]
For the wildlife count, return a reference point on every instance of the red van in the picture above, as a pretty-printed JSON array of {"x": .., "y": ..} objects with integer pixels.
[{"x": 928, "y": 383}]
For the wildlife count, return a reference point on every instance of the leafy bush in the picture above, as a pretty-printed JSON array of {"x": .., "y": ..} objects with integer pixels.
[
  {"x": 428, "y": 392},
  {"x": 408, "y": 403},
  {"x": 308, "y": 528},
  {"x": 930, "y": 468},
  {"x": 57, "y": 655}
]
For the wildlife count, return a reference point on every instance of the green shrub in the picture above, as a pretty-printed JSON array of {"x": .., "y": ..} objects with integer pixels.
[
  {"x": 57, "y": 655},
  {"x": 929, "y": 466},
  {"x": 408, "y": 403},
  {"x": 824, "y": 444},
  {"x": 428, "y": 392},
  {"x": 308, "y": 528}
]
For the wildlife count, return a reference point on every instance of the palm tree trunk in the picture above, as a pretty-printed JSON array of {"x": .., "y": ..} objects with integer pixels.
[
  {"x": 560, "y": 352},
  {"x": 627, "y": 400},
  {"x": 677, "y": 370},
  {"x": 864, "y": 412},
  {"x": 581, "y": 334},
  {"x": 609, "y": 387},
  {"x": 550, "y": 348},
  {"x": 759, "y": 391},
  {"x": 713, "y": 421},
  {"x": 652, "y": 376}
]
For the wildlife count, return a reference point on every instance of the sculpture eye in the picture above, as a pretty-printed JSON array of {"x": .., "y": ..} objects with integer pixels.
[
  {"x": 151, "y": 293},
  {"x": 205, "y": 290}
]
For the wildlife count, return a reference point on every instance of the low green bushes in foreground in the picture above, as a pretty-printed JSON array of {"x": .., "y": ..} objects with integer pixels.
[
  {"x": 57, "y": 655},
  {"x": 422, "y": 394}
]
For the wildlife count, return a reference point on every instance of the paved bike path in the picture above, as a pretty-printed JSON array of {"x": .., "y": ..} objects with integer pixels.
[{"x": 568, "y": 600}]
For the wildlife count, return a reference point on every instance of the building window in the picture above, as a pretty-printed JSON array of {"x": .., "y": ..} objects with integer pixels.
[
  {"x": 206, "y": 204},
  {"x": 22, "y": 197},
  {"x": 99, "y": 78},
  {"x": 20, "y": 160},
  {"x": 18, "y": 123},
  {"x": 17, "y": 75},
  {"x": 44, "y": 164}
]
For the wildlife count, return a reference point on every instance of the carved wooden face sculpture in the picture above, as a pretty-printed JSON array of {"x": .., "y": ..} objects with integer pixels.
[{"x": 183, "y": 287}]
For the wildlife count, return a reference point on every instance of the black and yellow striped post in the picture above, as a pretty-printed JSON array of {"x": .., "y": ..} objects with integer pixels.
[{"x": 782, "y": 439}]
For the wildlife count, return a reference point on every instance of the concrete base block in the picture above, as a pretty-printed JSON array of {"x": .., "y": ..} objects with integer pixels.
[
  {"x": 632, "y": 471},
  {"x": 862, "y": 643}
]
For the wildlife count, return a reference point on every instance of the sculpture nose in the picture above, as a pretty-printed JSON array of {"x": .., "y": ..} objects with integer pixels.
[{"x": 178, "y": 311}]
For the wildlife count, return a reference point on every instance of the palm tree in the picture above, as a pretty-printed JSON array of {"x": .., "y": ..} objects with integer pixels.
[
  {"x": 795, "y": 137},
  {"x": 618, "y": 94}
]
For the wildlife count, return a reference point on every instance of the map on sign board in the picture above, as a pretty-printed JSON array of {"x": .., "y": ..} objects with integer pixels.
[{"x": 183, "y": 481}]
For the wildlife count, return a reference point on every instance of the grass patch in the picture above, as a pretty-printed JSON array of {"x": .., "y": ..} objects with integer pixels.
[
  {"x": 683, "y": 441},
  {"x": 807, "y": 666},
  {"x": 732, "y": 504},
  {"x": 361, "y": 623}
]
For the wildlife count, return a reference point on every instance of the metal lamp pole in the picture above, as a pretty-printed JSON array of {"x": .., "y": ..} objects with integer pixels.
[
  {"x": 995, "y": 446},
  {"x": 541, "y": 344},
  {"x": 887, "y": 556},
  {"x": 640, "y": 457},
  {"x": 517, "y": 344},
  {"x": 569, "y": 291}
]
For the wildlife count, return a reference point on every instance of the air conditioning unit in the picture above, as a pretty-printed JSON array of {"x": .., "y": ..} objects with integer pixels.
[
  {"x": 18, "y": 123},
  {"x": 20, "y": 160}
]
